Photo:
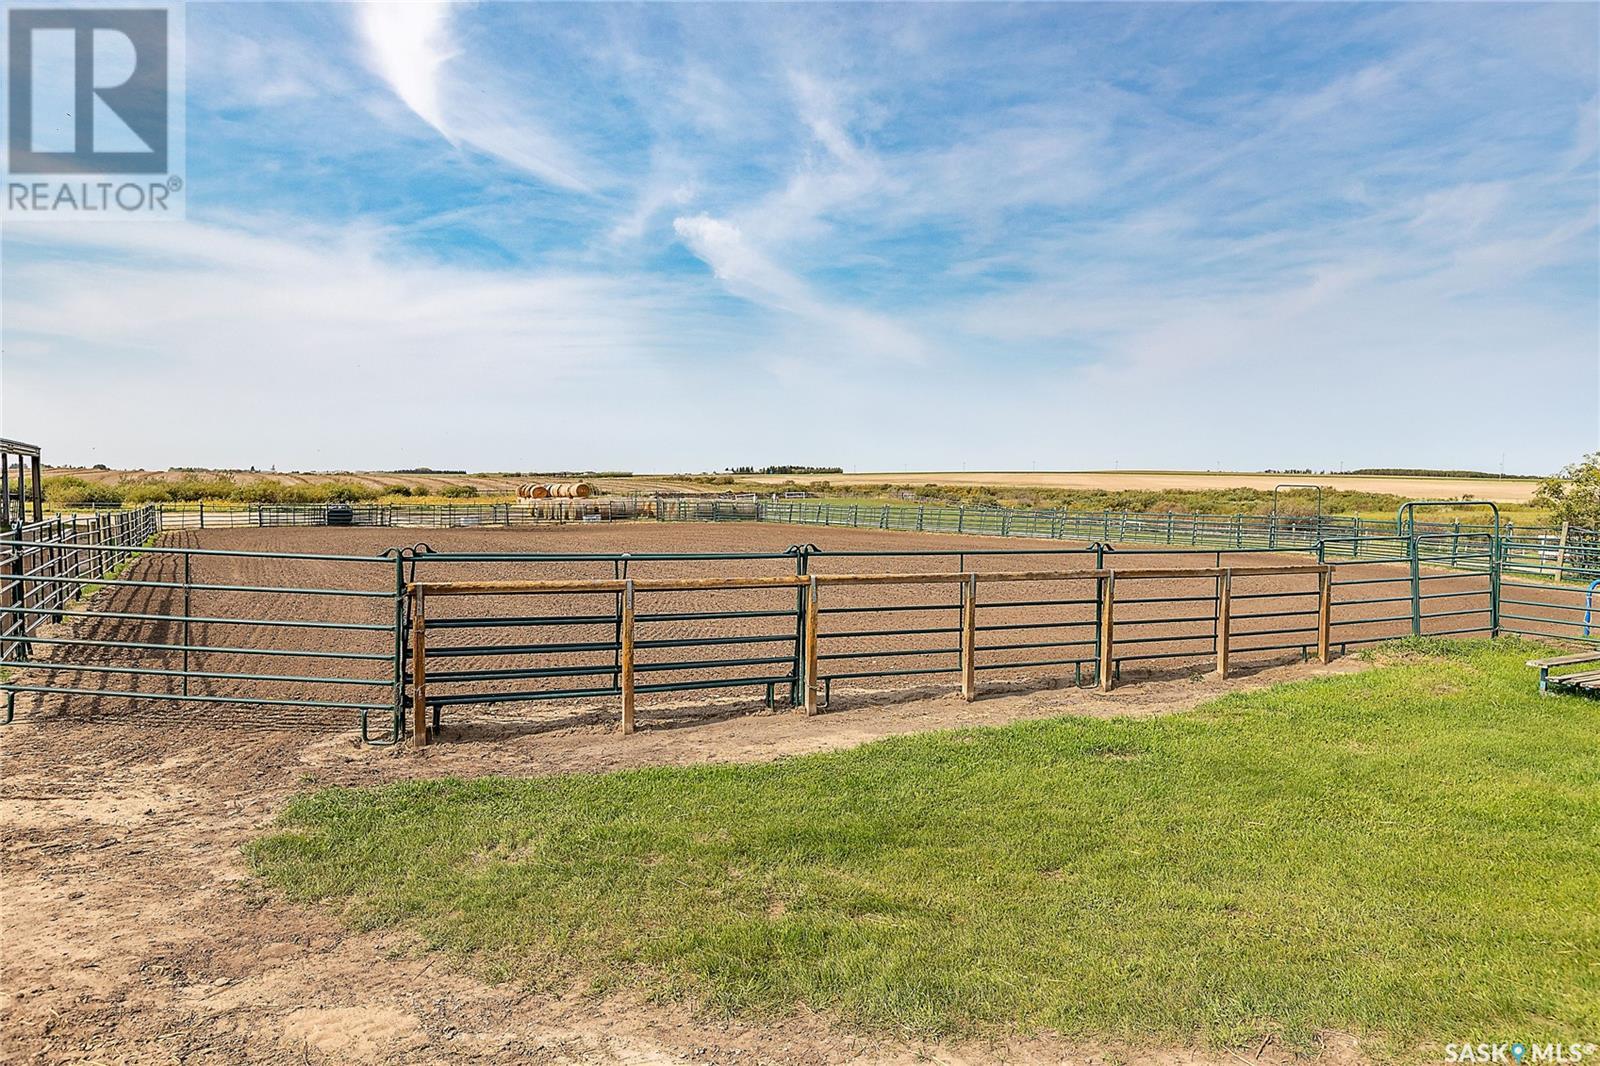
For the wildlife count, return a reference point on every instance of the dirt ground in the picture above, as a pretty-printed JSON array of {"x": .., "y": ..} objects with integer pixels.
[{"x": 133, "y": 932}]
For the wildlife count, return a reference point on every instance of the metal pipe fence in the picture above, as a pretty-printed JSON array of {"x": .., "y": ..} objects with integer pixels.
[
  {"x": 409, "y": 516},
  {"x": 126, "y": 618},
  {"x": 94, "y": 609},
  {"x": 1103, "y": 639},
  {"x": 1565, "y": 554},
  {"x": 1271, "y": 531},
  {"x": 50, "y": 562}
]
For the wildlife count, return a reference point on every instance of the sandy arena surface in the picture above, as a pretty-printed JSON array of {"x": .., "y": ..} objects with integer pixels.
[{"x": 1164, "y": 626}]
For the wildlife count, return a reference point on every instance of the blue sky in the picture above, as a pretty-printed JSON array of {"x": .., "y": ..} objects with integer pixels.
[{"x": 660, "y": 237}]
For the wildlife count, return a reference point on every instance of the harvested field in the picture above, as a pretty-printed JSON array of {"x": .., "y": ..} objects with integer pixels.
[
  {"x": 1502, "y": 490},
  {"x": 1032, "y": 633}
]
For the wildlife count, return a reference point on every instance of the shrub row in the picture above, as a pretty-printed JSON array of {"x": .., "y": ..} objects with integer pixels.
[{"x": 70, "y": 491}]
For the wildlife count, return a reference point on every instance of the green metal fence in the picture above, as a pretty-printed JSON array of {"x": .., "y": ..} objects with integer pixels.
[
  {"x": 1546, "y": 552},
  {"x": 127, "y": 619},
  {"x": 46, "y": 564},
  {"x": 92, "y": 608},
  {"x": 411, "y": 516}
]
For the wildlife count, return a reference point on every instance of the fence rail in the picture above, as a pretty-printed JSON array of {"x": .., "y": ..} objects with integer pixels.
[
  {"x": 93, "y": 607},
  {"x": 807, "y": 663},
  {"x": 410, "y": 516},
  {"x": 1565, "y": 553},
  {"x": 47, "y": 564}
]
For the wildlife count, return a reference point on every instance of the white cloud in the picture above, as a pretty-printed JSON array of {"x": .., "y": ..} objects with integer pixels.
[
  {"x": 409, "y": 44},
  {"x": 746, "y": 272},
  {"x": 412, "y": 47},
  {"x": 751, "y": 275}
]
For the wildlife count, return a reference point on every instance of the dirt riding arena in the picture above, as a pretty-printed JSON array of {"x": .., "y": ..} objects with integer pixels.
[{"x": 1164, "y": 626}]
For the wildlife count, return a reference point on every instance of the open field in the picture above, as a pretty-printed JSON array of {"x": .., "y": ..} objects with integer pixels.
[
  {"x": 1500, "y": 490},
  {"x": 1506, "y": 490}
]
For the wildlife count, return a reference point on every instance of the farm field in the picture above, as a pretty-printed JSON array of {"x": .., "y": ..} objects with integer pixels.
[
  {"x": 427, "y": 484},
  {"x": 1313, "y": 831},
  {"x": 1500, "y": 490}
]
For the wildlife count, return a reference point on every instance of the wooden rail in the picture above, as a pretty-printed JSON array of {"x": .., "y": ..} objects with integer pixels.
[{"x": 1106, "y": 581}]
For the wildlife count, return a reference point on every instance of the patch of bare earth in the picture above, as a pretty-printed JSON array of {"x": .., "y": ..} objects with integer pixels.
[{"x": 132, "y": 931}]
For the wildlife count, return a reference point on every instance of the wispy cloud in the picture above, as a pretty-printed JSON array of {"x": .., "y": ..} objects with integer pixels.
[
  {"x": 749, "y": 274},
  {"x": 411, "y": 45}
]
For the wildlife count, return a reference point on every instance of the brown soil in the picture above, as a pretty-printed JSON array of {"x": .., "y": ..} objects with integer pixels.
[{"x": 133, "y": 933}]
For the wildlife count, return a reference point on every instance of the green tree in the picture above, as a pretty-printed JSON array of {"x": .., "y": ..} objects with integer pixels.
[{"x": 1574, "y": 494}]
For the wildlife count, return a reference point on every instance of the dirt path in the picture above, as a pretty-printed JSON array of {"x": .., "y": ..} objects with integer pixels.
[{"x": 132, "y": 931}]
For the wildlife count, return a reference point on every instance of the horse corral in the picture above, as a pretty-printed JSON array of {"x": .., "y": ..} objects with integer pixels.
[{"x": 325, "y": 626}]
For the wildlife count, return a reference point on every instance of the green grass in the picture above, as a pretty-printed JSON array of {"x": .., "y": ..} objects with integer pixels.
[{"x": 1411, "y": 854}]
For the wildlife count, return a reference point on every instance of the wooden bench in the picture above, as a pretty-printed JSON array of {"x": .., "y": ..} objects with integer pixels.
[{"x": 1588, "y": 680}]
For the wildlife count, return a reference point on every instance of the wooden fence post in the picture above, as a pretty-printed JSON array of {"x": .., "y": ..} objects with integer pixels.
[
  {"x": 1224, "y": 619},
  {"x": 419, "y": 671},
  {"x": 811, "y": 647},
  {"x": 1108, "y": 599},
  {"x": 969, "y": 638},
  {"x": 626, "y": 656},
  {"x": 1324, "y": 613},
  {"x": 1561, "y": 552}
]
